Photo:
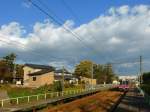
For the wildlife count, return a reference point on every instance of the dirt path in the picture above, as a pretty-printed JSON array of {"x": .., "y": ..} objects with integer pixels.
[{"x": 133, "y": 102}]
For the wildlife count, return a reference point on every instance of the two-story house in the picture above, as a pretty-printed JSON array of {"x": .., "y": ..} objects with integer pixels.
[{"x": 37, "y": 75}]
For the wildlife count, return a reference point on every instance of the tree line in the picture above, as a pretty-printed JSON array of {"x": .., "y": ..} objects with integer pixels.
[{"x": 103, "y": 73}]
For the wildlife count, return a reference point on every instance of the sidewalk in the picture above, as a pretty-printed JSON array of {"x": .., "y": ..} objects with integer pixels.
[{"x": 133, "y": 102}]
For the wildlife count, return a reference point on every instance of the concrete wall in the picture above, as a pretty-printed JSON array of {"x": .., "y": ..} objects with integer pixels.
[
  {"x": 28, "y": 70},
  {"x": 47, "y": 78}
]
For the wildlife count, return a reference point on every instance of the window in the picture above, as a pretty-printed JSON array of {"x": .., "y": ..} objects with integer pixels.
[{"x": 34, "y": 78}]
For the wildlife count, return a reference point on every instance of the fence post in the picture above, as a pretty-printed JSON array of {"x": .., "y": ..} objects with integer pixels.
[
  {"x": 37, "y": 97},
  {"x": 17, "y": 100},
  {"x": 2, "y": 103},
  {"x": 57, "y": 94},
  {"x": 45, "y": 96},
  {"x": 28, "y": 99}
]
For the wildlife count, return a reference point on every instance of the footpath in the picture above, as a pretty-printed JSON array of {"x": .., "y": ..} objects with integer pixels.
[{"x": 133, "y": 102}]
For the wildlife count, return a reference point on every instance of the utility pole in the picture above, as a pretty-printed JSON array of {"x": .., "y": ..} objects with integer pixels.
[
  {"x": 63, "y": 78},
  {"x": 14, "y": 74},
  {"x": 141, "y": 74},
  {"x": 92, "y": 75}
]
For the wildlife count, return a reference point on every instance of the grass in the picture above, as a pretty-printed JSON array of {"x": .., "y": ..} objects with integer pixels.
[{"x": 14, "y": 92}]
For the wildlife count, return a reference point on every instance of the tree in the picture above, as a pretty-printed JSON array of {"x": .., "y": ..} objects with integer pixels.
[
  {"x": 19, "y": 71},
  {"x": 146, "y": 78},
  {"x": 10, "y": 62},
  {"x": 5, "y": 73},
  {"x": 84, "y": 69},
  {"x": 100, "y": 72}
]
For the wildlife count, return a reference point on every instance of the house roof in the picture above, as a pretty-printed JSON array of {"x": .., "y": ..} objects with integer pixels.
[
  {"x": 58, "y": 77},
  {"x": 40, "y": 66},
  {"x": 42, "y": 72},
  {"x": 61, "y": 71}
]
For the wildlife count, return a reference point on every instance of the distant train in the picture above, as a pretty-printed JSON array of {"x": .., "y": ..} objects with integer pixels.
[{"x": 124, "y": 85}]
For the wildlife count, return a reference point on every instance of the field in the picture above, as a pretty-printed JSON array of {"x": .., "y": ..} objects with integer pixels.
[{"x": 100, "y": 102}]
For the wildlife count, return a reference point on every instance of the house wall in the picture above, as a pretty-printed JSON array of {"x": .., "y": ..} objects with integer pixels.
[
  {"x": 28, "y": 70},
  {"x": 47, "y": 78},
  {"x": 89, "y": 80}
]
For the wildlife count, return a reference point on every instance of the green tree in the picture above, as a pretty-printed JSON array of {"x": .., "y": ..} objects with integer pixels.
[
  {"x": 4, "y": 71},
  {"x": 10, "y": 60},
  {"x": 84, "y": 69},
  {"x": 104, "y": 73},
  {"x": 19, "y": 71}
]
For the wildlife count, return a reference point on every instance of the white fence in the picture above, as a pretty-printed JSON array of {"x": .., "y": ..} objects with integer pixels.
[
  {"x": 27, "y": 99},
  {"x": 48, "y": 96}
]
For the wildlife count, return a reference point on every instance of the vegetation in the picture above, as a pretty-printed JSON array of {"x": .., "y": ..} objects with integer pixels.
[
  {"x": 57, "y": 86},
  {"x": 146, "y": 88},
  {"x": 101, "y": 73},
  {"x": 7, "y": 67},
  {"x": 20, "y": 91},
  {"x": 146, "y": 82}
]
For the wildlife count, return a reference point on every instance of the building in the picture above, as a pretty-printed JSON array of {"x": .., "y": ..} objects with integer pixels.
[
  {"x": 37, "y": 75},
  {"x": 127, "y": 77},
  {"x": 66, "y": 75},
  {"x": 88, "y": 80}
]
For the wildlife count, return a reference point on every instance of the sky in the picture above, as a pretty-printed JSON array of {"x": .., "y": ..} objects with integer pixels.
[{"x": 103, "y": 31}]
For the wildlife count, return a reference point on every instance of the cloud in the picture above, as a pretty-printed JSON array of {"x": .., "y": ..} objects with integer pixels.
[{"x": 123, "y": 32}]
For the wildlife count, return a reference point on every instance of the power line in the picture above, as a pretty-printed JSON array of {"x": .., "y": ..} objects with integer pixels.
[
  {"x": 75, "y": 16},
  {"x": 61, "y": 24},
  {"x": 71, "y": 10}
]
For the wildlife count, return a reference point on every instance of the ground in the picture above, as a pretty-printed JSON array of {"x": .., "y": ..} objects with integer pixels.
[{"x": 100, "y": 102}]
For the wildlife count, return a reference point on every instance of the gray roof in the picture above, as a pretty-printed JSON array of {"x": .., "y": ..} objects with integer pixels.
[
  {"x": 36, "y": 66},
  {"x": 61, "y": 71},
  {"x": 44, "y": 71}
]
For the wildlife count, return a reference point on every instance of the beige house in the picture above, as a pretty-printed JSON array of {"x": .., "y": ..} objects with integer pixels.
[{"x": 37, "y": 75}]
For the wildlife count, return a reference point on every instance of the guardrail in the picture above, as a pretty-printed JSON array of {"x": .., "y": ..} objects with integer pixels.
[
  {"x": 47, "y": 96},
  {"x": 146, "y": 96}
]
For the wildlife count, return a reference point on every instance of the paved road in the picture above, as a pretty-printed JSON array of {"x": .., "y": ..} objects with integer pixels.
[{"x": 133, "y": 102}]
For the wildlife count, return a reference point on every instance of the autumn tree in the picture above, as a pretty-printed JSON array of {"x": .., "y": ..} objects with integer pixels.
[{"x": 83, "y": 69}]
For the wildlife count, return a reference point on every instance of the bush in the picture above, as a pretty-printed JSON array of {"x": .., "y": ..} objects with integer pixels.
[
  {"x": 146, "y": 88},
  {"x": 57, "y": 86}
]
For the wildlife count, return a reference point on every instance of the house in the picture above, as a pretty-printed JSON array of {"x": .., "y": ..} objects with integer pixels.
[
  {"x": 37, "y": 75},
  {"x": 68, "y": 77}
]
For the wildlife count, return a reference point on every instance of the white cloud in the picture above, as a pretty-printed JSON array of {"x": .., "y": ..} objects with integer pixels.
[
  {"x": 114, "y": 40},
  {"x": 125, "y": 31}
]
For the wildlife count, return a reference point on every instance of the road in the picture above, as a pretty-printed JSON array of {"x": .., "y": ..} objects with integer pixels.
[{"x": 133, "y": 102}]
